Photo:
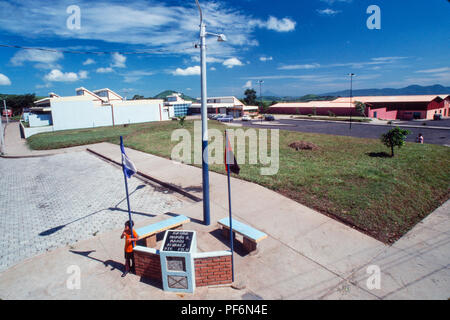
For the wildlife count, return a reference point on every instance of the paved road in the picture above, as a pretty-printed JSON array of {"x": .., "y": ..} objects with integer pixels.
[
  {"x": 433, "y": 136},
  {"x": 58, "y": 200}
]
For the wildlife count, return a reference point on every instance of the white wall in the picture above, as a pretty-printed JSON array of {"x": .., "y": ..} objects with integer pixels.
[
  {"x": 79, "y": 114},
  {"x": 28, "y": 132},
  {"x": 125, "y": 113},
  {"x": 86, "y": 114}
]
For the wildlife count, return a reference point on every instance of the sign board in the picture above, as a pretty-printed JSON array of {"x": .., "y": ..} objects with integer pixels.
[
  {"x": 178, "y": 241},
  {"x": 177, "y": 263}
]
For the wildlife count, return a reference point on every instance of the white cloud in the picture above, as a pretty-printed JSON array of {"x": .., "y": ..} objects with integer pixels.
[
  {"x": 300, "y": 66},
  {"x": 4, "y": 80},
  {"x": 248, "y": 85},
  {"x": 58, "y": 76},
  {"x": 373, "y": 63},
  {"x": 104, "y": 70},
  {"x": 232, "y": 62},
  {"x": 43, "y": 59},
  {"x": 118, "y": 60},
  {"x": 275, "y": 24},
  {"x": 133, "y": 76},
  {"x": 147, "y": 24},
  {"x": 190, "y": 71},
  {"x": 328, "y": 12},
  {"x": 283, "y": 25},
  {"x": 438, "y": 70},
  {"x": 212, "y": 69},
  {"x": 264, "y": 59},
  {"x": 88, "y": 62},
  {"x": 83, "y": 74}
]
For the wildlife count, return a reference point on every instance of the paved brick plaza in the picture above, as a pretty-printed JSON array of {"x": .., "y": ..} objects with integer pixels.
[{"x": 55, "y": 201}]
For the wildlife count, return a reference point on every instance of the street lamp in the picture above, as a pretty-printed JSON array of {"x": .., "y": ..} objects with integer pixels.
[
  {"x": 351, "y": 96},
  {"x": 260, "y": 96},
  {"x": 205, "y": 173}
]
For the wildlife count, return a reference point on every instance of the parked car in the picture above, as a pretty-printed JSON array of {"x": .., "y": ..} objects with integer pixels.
[
  {"x": 269, "y": 118},
  {"x": 217, "y": 116},
  {"x": 228, "y": 118},
  {"x": 246, "y": 118}
]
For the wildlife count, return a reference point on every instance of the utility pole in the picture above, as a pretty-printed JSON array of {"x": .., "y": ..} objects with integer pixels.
[
  {"x": 204, "y": 111},
  {"x": 6, "y": 111},
  {"x": 351, "y": 96},
  {"x": 2, "y": 137},
  {"x": 260, "y": 95}
]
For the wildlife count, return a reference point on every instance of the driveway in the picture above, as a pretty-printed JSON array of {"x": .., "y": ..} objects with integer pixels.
[
  {"x": 58, "y": 200},
  {"x": 359, "y": 130}
]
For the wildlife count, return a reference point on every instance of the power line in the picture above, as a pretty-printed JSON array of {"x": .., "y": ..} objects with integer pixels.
[{"x": 154, "y": 51}]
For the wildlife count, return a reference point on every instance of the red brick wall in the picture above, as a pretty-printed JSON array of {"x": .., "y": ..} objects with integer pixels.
[
  {"x": 212, "y": 271},
  {"x": 148, "y": 265}
]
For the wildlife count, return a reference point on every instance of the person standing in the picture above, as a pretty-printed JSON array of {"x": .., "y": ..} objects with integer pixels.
[{"x": 130, "y": 241}]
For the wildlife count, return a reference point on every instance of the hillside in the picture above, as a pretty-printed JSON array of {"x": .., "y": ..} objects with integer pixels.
[
  {"x": 165, "y": 94},
  {"x": 410, "y": 90}
]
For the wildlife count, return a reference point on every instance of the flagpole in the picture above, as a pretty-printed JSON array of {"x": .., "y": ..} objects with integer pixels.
[
  {"x": 128, "y": 198},
  {"x": 229, "y": 206}
]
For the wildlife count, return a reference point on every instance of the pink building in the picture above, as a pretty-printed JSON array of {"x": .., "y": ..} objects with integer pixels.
[{"x": 380, "y": 107}]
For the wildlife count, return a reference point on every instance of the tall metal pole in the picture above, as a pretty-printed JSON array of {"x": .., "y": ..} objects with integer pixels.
[
  {"x": 126, "y": 191},
  {"x": 205, "y": 169},
  {"x": 260, "y": 95},
  {"x": 351, "y": 96},
  {"x": 2, "y": 138},
  {"x": 229, "y": 206},
  {"x": 6, "y": 111}
]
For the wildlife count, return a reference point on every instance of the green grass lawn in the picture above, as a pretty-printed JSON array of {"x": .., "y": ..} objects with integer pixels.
[{"x": 347, "y": 178}]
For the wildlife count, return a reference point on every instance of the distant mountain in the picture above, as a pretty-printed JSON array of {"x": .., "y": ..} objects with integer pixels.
[
  {"x": 305, "y": 98},
  {"x": 165, "y": 94},
  {"x": 410, "y": 90}
]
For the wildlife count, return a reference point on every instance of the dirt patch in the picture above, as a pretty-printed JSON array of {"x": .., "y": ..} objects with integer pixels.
[{"x": 303, "y": 145}]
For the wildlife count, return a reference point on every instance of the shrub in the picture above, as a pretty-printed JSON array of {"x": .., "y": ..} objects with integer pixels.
[{"x": 394, "y": 138}]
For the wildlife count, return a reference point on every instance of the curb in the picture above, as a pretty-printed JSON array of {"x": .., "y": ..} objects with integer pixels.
[
  {"x": 26, "y": 157},
  {"x": 374, "y": 124},
  {"x": 164, "y": 184}
]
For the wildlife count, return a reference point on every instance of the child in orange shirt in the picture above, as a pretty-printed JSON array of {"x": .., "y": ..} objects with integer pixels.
[{"x": 129, "y": 244}]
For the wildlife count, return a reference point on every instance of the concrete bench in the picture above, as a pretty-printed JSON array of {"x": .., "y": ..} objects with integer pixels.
[
  {"x": 149, "y": 232},
  {"x": 250, "y": 235}
]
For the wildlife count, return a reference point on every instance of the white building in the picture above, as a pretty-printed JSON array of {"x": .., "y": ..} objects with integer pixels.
[
  {"x": 92, "y": 109},
  {"x": 224, "y": 105},
  {"x": 178, "y": 105}
]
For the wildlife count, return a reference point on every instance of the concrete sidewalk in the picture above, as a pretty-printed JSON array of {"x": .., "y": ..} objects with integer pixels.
[
  {"x": 306, "y": 256},
  {"x": 16, "y": 147}
]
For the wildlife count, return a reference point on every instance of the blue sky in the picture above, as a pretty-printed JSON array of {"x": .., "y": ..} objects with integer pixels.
[{"x": 295, "y": 47}]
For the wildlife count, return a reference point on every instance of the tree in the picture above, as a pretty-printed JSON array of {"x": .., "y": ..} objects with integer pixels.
[
  {"x": 361, "y": 108},
  {"x": 181, "y": 120},
  {"x": 394, "y": 138},
  {"x": 250, "y": 97},
  {"x": 137, "y": 97},
  {"x": 17, "y": 102}
]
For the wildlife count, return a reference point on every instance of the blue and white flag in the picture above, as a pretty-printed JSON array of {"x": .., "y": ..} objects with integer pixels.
[{"x": 128, "y": 167}]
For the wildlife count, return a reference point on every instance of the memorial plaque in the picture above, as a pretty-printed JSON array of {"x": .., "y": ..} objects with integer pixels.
[
  {"x": 178, "y": 241},
  {"x": 176, "y": 263}
]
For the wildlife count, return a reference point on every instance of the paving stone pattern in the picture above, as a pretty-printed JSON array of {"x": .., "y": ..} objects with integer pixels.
[{"x": 54, "y": 201}]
